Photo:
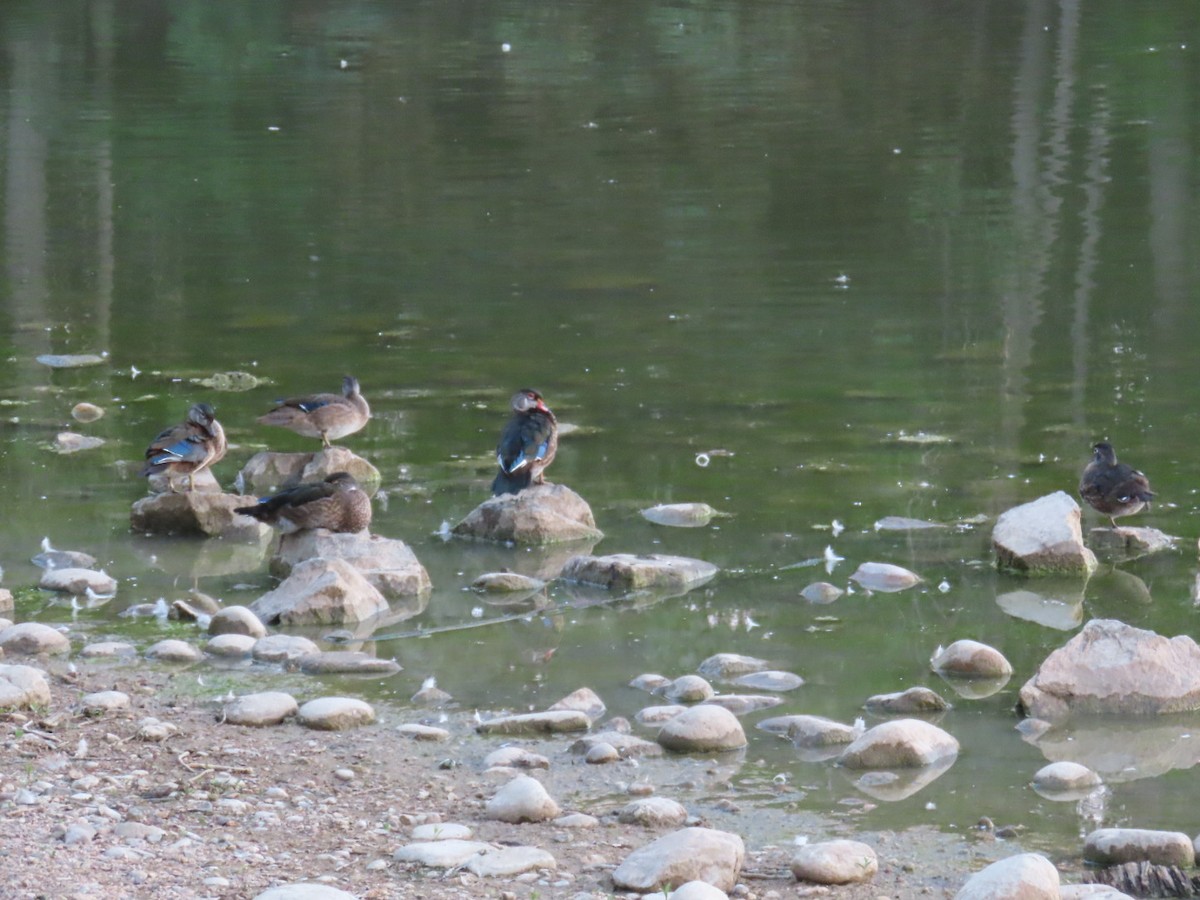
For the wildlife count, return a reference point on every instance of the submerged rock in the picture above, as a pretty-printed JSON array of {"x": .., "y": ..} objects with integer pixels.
[
  {"x": 680, "y": 515},
  {"x": 821, "y": 592},
  {"x": 554, "y": 722},
  {"x": 908, "y": 702},
  {"x": 1043, "y": 537},
  {"x": 77, "y": 581},
  {"x": 687, "y": 689},
  {"x": 541, "y": 514},
  {"x": 810, "y": 731},
  {"x": 506, "y": 582},
  {"x": 1114, "y": 668},
  {"x": 626, "y": 572}
]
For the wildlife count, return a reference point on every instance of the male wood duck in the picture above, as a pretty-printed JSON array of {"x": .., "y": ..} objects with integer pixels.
[
  {"x": 527, "y": 444},
  {"x": 1113, "y": 488},
  {"x": 187, "y": 448},
  {"x": 324, "y": 416},
  {"x": 337, "y": 503}
]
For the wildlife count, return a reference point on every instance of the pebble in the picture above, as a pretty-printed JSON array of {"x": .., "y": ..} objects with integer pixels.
[{"x": 349, "y": 662}]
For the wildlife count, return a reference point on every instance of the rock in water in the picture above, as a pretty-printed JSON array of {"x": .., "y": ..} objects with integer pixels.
[
  {"x": 627, "y": 572},
  {"x": 1043, "y": 537},
  {"x": 541, "y": 514}
]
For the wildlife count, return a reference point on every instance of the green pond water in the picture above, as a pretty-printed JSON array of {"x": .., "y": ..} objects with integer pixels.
[{"x": 862, "y": 259}]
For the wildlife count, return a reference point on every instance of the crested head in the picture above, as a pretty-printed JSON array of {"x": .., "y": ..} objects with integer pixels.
[
  {"x": 1103, "y": 452},
  {"x": 527, "y": 400},
  {"x": 349, "y": 386}
]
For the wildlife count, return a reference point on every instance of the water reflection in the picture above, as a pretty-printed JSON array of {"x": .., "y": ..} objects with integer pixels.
[{"x": 1123, "y": 750}]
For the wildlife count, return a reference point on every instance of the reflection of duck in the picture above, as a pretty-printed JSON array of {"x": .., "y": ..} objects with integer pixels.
[
  {"x": 1113, "y": 488},
  {"x": 527, "y": 444},
  {"x": 337, "y": 503},
  {"x": 324, "y": 416},
  {"x": 187, "y": 448}
]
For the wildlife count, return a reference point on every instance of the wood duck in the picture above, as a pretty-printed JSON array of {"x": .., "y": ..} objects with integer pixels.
[
  {"x": 527, "y": 444},
  {"x": 324, "y": 416},
  {"x": 337, "y": 503},
  {"x": 187, "y": 448},
  {"x": 1113, "y": 488}
]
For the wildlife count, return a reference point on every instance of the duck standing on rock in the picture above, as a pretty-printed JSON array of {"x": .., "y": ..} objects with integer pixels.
[
  {"x": 337, "y": 503},
  {"x": 324, "y": 416},
  {"x": 1113, "y": 488},
  {"x": 187, "y": 448},
  {"x": 527, "y": 444}
]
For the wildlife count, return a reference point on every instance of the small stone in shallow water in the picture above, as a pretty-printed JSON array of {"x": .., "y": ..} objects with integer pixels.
[
  {"x": 884, "y": 577},
  {"x": 70, "y": 442},
  {"x": 86, "y": 412},
  {"x": 687, "y": 689},
  {"x": 680, "y": 515},
  {"x": 821, "y": 592},
  {"x": 770, "y": 681},
  {"x": 730, "y": 665},
  {"x": 70, "y": 360}
]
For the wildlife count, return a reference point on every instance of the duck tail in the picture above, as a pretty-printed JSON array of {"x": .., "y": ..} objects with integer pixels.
[{"x": 510, "y": 483}]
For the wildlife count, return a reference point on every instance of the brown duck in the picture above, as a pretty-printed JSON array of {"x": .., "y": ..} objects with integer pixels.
[
  {"x": 337, "y": 503},
  {"x": 325, "y": 416},
  {"x": 1113, "y": 488},
  {"x": 187, "y": 448}
]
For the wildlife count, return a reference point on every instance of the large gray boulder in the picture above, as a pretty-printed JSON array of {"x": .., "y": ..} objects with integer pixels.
[
  {"x": 320, "y": 591},
  {"x": 387, "y": 563},
  {"x": 629, "y": 572},
  {"x": 1043, "y": 537},
  {"x": 268, "y": 472},
  {"x": 691, "y": 854},
  {"x": 541, "y": 514},
  {"x": 196, "y": 512},
  {"x": 1114, "y": 668}
]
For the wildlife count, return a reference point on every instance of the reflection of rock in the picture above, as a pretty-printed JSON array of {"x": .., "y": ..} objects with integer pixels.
[
  {"x": 1119, "y": 588},
  {"x": 389, "y": 564},
  {"x": 1043, "y": 537},
  {"x": 1113, "y": 668},
  {"x": 890, "y": 785},
  {"x": 196, "y": 512},
  {"x": 268, "y": 472},
  {"x": 1130, "y": 541},
  {"x": 1035, "y": 606},
  {"x": 542, "y": 514},
  {"x": 184, "y": 557},
  {"x": 623, "y": 572},
  {"x": 1122, "y": 749},
  {"x": 543, "y": 562},
  {"x": 976, "y": 688}
]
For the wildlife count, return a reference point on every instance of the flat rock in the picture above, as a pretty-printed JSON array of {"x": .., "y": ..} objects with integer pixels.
[
  {"x": 971, "y": 659},
  {"x": 521, "y": 800},
  {"x": 419, "y": 732},
  {"x": 903, "y": 523},
  {"x": 515, "y": 758},
  {"x": 727, "y": 666},
  {"x": 690, "y": 854},
  {"x": 304, "y": 891},
  {"x": 680, "y": 515},
  {"x": 653, "y": 812},
  {"x": 702, "y": 729},
  {"x": 71, "y": 360},
  {"x": 172, "y": 650},
  {"x": 884, "y": 577},
  {"x": 770, "y": 680},
  {"x": 656, "y": 715},
  {"x": 623, "y": 572},
  {"x": 509, "y": 861},
  {"x": 346, "y": 662},
  {"x": 283, "y": 647},
  {"x": 445, "y": 854},
  {"x": 236, "y": 620},
  {"x": 264, "y": 708},
  {"x": 1113, "y": 668},
  {"x": 744, "y": 704},
  {"x": 693, "y": 890},
  {"x": 321, "y": 591},
  {"x": 34, "y": 639},
  {"x": 200, "y": 512},
  {"x": 49, "y": 558},
  {"x": 506, "y": 583},
  {"x": 913, "y": 701},
  {"x": 335, "y": 713},
  {"x": 810, "y": 731},
  {"x": 900, "y": 743},
  {"x": 22, "y": 687},
  {"x": 1043, "y": 537},
  {"x": 76, "y": 581},
  {"x": 549, "y": 722},
  {"x": 1059, "y": 777},
  {"x": 835, "y": 862},
  {"x": 387, "y": 563},
  {"x": 442, "y": 831},
  {"x": 628, "y": 745},
  {"x": 1114, "y": 846},
  {"x": 104, "y": 701},
  {"x": 541, "y": 514},
  {"x": 1025, "y": 876},
  {"x": 1137, "y": 540},
  {"x": 230, "y": 646}
]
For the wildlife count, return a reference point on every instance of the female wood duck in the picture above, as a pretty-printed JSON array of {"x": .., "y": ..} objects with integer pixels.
[
  {"x": 337, "y": 503},
  {"x": 324, "y": 416},
  {"x": 1113, "y": 488},
  {"x": 527, "y": 444},
  {"x": 187, "y": 448}
]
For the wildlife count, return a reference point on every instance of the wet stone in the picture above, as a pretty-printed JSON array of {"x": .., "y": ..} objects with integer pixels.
[
  {"x": 702, "y": 729},
  {"x": 175, "y": 651},
  {"x": 346, "y": 662},
  {"x": 1065, "y": 776},
  {"x": 915, "y": 700},
  {"x": 236, "y": 620},
  {"x": 810, "y": 731},
  {"x": 506, "y": 582},
  {"x": 283, "y": 647},
  {"x": 230, "y": 646},
  {"x": 656, "y": 715},
  {"x": 627, "y": 745},
  {"x": 33, "y": 639},
  {"x": 649, "y": 682},
  {"x": 727, "y": 666},
  {"x": 884, "y": 577},
  {"x": 680, "y": 515},
  {"x": 770, "y": 681},
  {"x": 77, "y": 581},
  {"x": 743, "y": 704},
  {"x": 70, "y": 442},
  {"x": 821, "y": 592},
  {"x": 86, "y": 412},
  {"x": 687, "y": 689},
  {"x": 536, "y": 723},
  {"x": 900, "y": 743},
  {"x": 971, "y": 659}
]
